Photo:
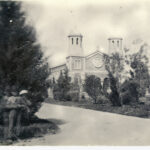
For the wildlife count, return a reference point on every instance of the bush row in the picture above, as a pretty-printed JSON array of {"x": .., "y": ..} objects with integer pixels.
[{"x": 72, "y": 95}]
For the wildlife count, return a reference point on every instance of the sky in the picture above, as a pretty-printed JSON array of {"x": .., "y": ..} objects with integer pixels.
[{"x": 96, "y": 20}]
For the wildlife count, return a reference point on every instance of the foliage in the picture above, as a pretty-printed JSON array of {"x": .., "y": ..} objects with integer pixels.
[
  {"x": 133, "y": 67},
  {"x": 114, "y": 95},
  {"x": 74, "y": 92},
  {"x": 22, "y": 65},
  {"x": 57, "y": 94},
  {"x": 106, "y": 86},
  {"x": 35, "y": 129},
  {"x": 114, "y": 67},
  {"x": 73, "y": 95},
  {"x": 114, "y": 64},
  {"x": 93, "y": 87},
  {"x": 102, "y": 99},
  {"x": 62, "y": 86},
  {"x": 64, "y": 90},
  {"x": 139, "y": 64},
  {"x": 129, "y": 91}
]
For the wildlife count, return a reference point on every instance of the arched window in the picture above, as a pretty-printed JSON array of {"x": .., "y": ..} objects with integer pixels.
[
  {"x": 77, "y": 41},
  {"x": 72, "y": 41}
]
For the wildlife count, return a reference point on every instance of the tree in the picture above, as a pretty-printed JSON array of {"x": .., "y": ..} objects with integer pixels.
[
  {"x": 93, "y": 87},
  {"x": 106, "y": 86},
  {"x": 139, "y": 64},
  {"x": 22, "y": 64},
  {"x": 62, "y": 86},
  {"x": 114, "y": 66},
  {"x": 67, "y": 82},
  {"x": 115, "y": 91},
  {"x": 53, "y": 82},
  {"x": 129, "y": 76}
]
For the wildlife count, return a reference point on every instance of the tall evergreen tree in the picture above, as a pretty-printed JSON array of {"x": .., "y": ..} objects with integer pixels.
[
  {"x": 63, "y": 84},
  {"x": 22, "y": 65}
]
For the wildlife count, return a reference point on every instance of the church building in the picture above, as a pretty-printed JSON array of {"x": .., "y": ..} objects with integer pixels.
[{"x": 80, "y": 65}]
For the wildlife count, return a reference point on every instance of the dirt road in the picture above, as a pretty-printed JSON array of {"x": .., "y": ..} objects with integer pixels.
[{"x": 89, "y": 127}]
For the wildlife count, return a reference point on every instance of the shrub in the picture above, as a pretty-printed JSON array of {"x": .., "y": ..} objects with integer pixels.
[
  {"x": 83, "y": 97},
  {"x": 68, "y": 97},
  {"x": 126, "y": 97},
  {"x": 129, "y": 91},
  {"x": 102, "y": 100},
  {"x": 58, "y": 95},
  {"x": 114, "y": 95},
  {"x": 142, "y": 91},
  {"x": 74, "y": 95},
  {"x": 93, "y": 86}
]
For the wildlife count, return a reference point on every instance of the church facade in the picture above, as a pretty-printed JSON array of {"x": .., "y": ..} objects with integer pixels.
[{"x": 80, "y": 65}]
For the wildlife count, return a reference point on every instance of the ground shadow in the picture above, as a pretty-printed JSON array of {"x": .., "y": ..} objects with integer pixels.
[{"x": 57, "y": 121}]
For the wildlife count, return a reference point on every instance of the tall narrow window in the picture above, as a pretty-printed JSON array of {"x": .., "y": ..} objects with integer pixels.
[
  {"x": 77, "y": 41},
  {"x": 117, "y": 43},
  {"x": 77, "y": 64},
  {"x": 72, "y": 41}
]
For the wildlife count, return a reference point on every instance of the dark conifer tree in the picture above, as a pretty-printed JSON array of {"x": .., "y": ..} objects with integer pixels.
[
  {"x": 62, "y": 86},
  {"x": 93, "y": 87},
  {"x": 22, "y": 65}
]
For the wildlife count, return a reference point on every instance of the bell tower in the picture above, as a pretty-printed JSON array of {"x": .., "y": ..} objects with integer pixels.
[
  {"x": 115, "y": 45},
  {"x": 75, "y": 45},
  {"x": 75, "y": 59}
]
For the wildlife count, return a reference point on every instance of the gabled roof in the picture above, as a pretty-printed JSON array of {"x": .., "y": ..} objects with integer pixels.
[
  {"x": 58, "y": 66},
  {"x": 115, "y": 38},
  {"x": 75, "y": 35},
  {"x": 74, "y": 56},
  {"x": 94, "y": 53}
]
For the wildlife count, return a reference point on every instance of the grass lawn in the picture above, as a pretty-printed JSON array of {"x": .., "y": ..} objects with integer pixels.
[
  {"x": 37, "y": 128},
  {"x": 137, "y": 110}
]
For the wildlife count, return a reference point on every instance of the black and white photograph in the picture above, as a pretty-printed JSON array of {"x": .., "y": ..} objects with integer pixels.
[{"x": 75, "y": 73}]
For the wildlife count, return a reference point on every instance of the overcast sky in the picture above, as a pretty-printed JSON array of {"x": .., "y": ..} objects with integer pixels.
[{"x": 96, "y": 20}]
